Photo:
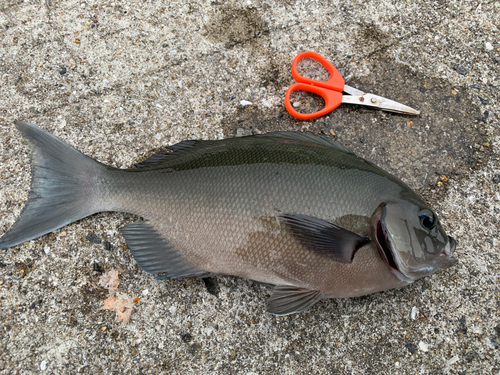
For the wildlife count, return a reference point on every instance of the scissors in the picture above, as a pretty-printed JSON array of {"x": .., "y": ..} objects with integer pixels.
[{"x": 331, "y": 91}]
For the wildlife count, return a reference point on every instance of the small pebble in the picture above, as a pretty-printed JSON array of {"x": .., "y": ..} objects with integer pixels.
[
  {"x": 63, "y": 71},
  {"x": 240, "y": 132},
  {"x": 460, "y": 69},
  {"x": 423, "y": 346},
  {"x": 412, "y": 348},
  {"x": 414, "y": 312},
  {"x": 145, "y": 292},
  {"x": 233, "y": 354},
  {"x": 296, "y": 104},
  {"x": 43, "y": 365},
  {"x": 453, "y": 360},
  {"x": 97, "y": 267},
  {"x": 92, "y": 237},
  {"x": 483, "y": 101},
  {"x": 245, "y": 102},
  {"x": 488, "y": 46},
  {"x": 485, "y": 116}
]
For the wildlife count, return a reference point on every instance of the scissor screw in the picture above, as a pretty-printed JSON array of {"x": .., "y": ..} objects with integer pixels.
[{"x": 374, "y": 100}]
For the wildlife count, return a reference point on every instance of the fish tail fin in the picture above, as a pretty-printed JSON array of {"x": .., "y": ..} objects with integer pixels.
[{"x": 63, "y": 187}]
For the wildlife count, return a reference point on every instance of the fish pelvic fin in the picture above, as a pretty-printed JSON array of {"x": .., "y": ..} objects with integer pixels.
[
  {"x": 157, "y": 255},
  {"x": 287, "y": 300},
  {"x": 62, "y": 187}
]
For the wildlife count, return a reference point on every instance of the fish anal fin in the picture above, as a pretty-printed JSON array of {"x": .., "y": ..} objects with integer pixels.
[
  {"x": 323, "y": 237},
  {"x": 157, "y": 255},
  {"x": 289, "y": 299}
]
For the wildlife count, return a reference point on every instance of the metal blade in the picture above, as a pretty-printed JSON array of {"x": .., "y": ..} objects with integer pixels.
[
  {"x": 353, "y": 91},
  {"x": 370, "y": 100}
]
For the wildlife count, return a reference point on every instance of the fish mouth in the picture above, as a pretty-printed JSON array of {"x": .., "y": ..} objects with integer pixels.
[
  {"x": 384, "y": 244},
  {"x": 384, "y": 247},
  {"x": 449, "y": 249},
  {"x": 446, "y": 257}
]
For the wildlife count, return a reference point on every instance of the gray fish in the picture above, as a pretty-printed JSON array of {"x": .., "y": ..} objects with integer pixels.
[{"x": 297, "y": 211}]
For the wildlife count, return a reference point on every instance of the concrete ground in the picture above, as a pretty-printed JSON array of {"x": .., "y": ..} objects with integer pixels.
[{"x": 118, "y": 79}]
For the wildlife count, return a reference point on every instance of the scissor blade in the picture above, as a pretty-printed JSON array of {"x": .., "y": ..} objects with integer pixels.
[
  {"x": 370, "y": 100},
  {"x": 351, "y": 90}
]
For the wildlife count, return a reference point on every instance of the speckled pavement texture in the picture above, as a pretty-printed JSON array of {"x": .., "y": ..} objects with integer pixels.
[{"x": 119, "y": 79}]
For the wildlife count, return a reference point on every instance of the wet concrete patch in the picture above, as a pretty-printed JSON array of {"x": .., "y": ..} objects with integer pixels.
[
  {"x": 446, "y": 139},
  {"x": 272, "y": 75},
  {"x": 374, "y": 40},
  {"x": 234, "y": 25}
]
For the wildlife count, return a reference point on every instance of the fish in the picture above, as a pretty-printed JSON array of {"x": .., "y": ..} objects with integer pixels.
[{"x": 300, "y": 212}]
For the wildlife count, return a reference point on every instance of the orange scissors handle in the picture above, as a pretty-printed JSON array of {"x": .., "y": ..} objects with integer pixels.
[
  {"x": 332, "y": 100},
  {"x": 336, "y": 81},
  {"x": 330, "y": 91}
]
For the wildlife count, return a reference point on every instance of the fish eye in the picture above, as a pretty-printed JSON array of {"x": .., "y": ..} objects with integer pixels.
[{"x": 427, "y": 219}]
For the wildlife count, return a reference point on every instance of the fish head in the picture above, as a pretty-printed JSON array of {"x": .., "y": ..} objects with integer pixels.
[{"x": 411, "y": 239}]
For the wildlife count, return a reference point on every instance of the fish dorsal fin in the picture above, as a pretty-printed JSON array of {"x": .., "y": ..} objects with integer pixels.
[
  {"x": 177, "y": 150},
  {"x": 155, "y": 254},
  {"x": 308, "y": 138},
  {"x": 289, "y": 299},
  {"x": 212, "y": 147},
  {"x": 153, "y": 159},
  {"x": 323, "y": 237}
]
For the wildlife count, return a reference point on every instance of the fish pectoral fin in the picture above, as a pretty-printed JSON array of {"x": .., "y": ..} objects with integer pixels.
[
  {"x": 289, "y": 299},
  {"x": 157, "y": 255},
  {"x": 323, "y": 237}
]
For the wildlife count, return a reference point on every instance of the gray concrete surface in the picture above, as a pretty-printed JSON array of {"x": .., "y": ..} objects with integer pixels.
[{"x": 118, "y": 79}]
